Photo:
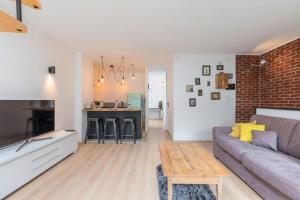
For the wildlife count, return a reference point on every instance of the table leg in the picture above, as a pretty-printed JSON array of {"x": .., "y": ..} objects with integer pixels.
[
  {"x": 219, "y": 189},
  {"x": 170, "y": 188}
]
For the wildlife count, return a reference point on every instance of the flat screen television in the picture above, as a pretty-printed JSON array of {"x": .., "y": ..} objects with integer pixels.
[{"x": 24, "y": 119}]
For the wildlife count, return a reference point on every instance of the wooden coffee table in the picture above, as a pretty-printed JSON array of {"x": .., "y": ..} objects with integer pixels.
[{"x": 191, "y": 163}]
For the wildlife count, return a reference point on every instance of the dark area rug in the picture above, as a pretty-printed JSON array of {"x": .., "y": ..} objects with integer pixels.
[{"x": 182, "y": 192}]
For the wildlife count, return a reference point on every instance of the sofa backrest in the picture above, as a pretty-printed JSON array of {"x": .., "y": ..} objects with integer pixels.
[
  {"x": 284, "y": 128},
  {"x": 294, "y": 144}
]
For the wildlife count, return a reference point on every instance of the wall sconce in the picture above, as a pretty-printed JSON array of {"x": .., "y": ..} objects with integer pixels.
[
  {"x": 51, "y": 70},
  {"x": 263, "y": 62}
]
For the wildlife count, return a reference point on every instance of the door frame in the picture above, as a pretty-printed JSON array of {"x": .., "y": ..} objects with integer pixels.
[{"x": 165, "y": 112}]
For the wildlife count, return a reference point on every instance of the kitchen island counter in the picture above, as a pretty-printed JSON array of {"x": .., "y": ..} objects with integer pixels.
[
  {"x": 112, "y": 110},
  {"x": 119, "y": 113}
]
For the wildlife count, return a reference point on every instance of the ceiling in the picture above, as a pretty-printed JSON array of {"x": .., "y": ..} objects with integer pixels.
[{"x": 147, "y": 32}]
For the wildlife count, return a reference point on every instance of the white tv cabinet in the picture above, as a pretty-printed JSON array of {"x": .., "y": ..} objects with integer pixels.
[{"x": 18, "y": 168}]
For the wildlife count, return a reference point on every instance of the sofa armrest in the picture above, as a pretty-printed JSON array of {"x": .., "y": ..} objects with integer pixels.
[{"x": 221, "y": 130}]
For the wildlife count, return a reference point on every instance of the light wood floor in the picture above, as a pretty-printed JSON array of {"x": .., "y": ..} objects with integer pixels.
[{"x": 114, "y": 172}]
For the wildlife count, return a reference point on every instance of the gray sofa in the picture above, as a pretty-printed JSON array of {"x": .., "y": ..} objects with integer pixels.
[{"x": 273, "y": 175}]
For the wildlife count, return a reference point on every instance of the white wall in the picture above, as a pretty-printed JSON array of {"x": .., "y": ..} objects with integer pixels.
[
  {"x": 110, "y": 90},
  {"x": 196, "y": 123},
  {"x": 78, "y": 93},
  {"x": 157, "y": 91},
  {"x": 83, "y": 90},
  {"x": 169, "y": 123},
  {"x": 24, "y": 62}
]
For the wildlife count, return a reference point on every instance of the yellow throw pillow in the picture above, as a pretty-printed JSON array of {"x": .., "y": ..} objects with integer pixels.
[
  {"x": 246, "y": 131},
  {"x": 236, "y": 129}
]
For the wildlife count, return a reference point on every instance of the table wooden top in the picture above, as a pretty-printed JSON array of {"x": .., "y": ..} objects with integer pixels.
[
  {"x": 112, "y": 110},
  {"x": 190, "y": 159}
]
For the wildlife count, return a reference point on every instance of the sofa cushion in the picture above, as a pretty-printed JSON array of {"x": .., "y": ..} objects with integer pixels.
[
  {"x": 266, "y": 139},
  {"x": 235, "y": 147},
  {"x": 236, "y": 129},
  {"x": 277, "y": 169},
  {"x": 283, "y": 127},
  {"x": 246, "y": 131},
  {"x": 294, "y": 144}
]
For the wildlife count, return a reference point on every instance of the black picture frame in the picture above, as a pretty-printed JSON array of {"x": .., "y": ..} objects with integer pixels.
[
  {"x": 208, "y": 83},
  {"x": 197, "y": 81},
  {"x": 220, "y": 67},
  {"x": 215, "y": 96},
  {"x": 229, "y": 75},
  {"x": 200, "y": 92},
  {"x": 192, "y": 102},
  {"x": 189, "y": 88},
  {"x": 231, "y": 86},
  {"x": 206, "y": 70}
]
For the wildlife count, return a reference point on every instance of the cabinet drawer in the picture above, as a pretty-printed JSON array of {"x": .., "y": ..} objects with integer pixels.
[
  {"x": 20, "y": 168},
  {"x": 13, "y": 175},
  {"x": 45, "y": 158},
  {"x": 68, "y": 146}
]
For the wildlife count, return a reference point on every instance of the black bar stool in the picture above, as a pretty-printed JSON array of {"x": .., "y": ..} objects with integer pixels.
[
  {"x": 108, "y": 122},
  {"x": 101, "y": 127},
  {"x": 92, "y": 129},
  {"x": 130, "y": 121}
]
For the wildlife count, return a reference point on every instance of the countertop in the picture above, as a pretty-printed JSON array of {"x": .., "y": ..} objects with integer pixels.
[{"x": 112, "y": 110}]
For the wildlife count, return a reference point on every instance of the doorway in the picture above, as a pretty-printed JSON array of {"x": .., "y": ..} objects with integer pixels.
[{"x": 156, "y": 96}]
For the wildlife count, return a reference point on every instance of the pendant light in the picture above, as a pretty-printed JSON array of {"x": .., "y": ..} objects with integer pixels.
[
  {"x": 123, "y": 70},
  {"x": 98, "y": 82},
  {"x": 132, "y": 72},
  {"x": 120, "y": 74},
  {"x": 102, "y": 68},
  {"x": 102, "y": 73}
]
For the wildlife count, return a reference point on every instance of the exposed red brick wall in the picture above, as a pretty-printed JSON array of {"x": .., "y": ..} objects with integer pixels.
[
  {"x": 280, "y": 78},
  {"x": 247, "y": 85},
  {"x": 275, "y": 85}
]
